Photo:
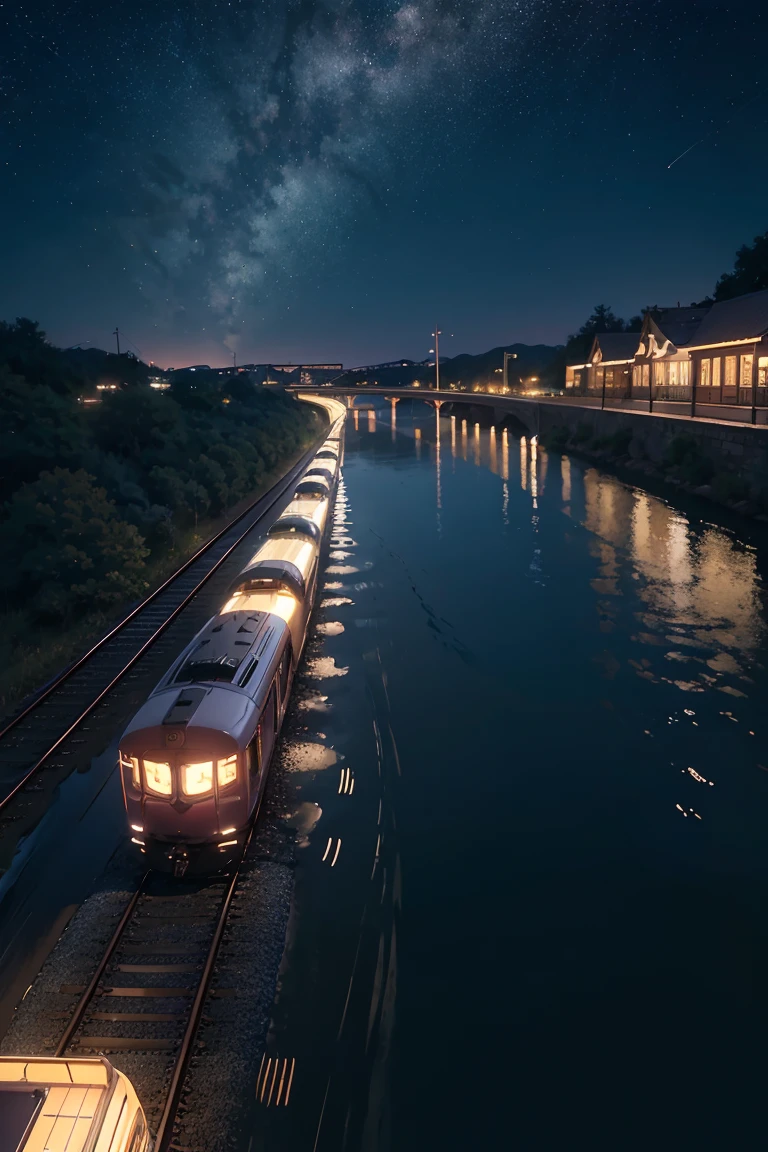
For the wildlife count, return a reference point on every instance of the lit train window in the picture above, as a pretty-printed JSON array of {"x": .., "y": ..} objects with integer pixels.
[
  {"x": 132, "y": 762},
  {"x": 197, "y": 778},
  {"x": 158, "y": 777},
  {"x": 227, "y": 770}
]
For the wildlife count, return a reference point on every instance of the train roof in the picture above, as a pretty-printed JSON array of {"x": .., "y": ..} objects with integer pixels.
[
  {"x": 212, "y": 690},
  {"x": 203, "y": 710},
  {"x": 53, "y": 1104},
  {"x": 297, "y": 551},
  {"x": 218, "y": 652}
]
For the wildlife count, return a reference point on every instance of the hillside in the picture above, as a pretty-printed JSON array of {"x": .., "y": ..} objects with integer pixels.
[{"x": 465, "y": 370}]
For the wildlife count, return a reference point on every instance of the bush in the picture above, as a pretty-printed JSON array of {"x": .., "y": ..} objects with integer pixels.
[
  {"x": 729, "y": 488},
  {"x": 71, "y": 548},
  {"x": 684, "y": 458}
]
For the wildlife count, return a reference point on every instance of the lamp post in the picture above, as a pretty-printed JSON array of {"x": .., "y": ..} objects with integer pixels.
[
  {"x": 507, "y": 357},
  {"x": 437, "y": 333}
]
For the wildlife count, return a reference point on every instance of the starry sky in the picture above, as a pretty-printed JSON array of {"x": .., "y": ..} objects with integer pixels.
[{"x": 315, "y": 180}]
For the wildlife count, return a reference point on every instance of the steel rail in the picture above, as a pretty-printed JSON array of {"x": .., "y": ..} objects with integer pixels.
[
  {"x": 84, "y": 1002},
  {"x": 270, "y": 498},
  {"x": 164, "y": 1133}
]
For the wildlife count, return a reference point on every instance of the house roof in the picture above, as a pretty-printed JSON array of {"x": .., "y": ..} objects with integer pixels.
[
  {"x": 736, "y": 319},
  {"x": 680, "y": 325},
  {"x": 615, "y": 345}
]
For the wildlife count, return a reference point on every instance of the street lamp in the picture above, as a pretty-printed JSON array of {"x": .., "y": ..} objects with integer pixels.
[
  {"x": 507, "y": 357},
  {"x": 437, "y": 334}
]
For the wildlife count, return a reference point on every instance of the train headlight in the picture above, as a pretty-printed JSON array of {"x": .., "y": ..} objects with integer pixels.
[
  {"x": 227, "y": 770},
  {"x": 197, "y": 778},
  {"x": 158, "y": 777}
]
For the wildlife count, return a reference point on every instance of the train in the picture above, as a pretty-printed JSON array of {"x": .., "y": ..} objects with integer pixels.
[
  {"x": 68, "y": 1105},
  {"x": 195, "y": 757}
]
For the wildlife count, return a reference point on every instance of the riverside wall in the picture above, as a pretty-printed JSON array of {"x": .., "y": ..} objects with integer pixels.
[{"x": 720, "y": 459}]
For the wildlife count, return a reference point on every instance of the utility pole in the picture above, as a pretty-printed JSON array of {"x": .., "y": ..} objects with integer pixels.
[
  {"x": 437, "y": 358},
  {"x": 234, "y": 361},
  {"x": 116, "y": 335}
]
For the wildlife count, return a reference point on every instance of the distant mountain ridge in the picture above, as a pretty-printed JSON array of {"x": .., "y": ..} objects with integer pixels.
[{"x": 542, "y": 361}]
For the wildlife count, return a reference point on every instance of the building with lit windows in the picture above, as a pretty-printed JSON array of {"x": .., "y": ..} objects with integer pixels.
[{"x": 711, "y": 360}]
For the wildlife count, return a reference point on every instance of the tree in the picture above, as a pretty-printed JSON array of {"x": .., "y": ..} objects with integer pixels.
[
  {"x": 71, "y": 550},
  {"x": 130, "y": 422},
  {"x": 38, "y": 429},
  {"x": 750, "y": 271},
  {"x": 602, "y": 319}
]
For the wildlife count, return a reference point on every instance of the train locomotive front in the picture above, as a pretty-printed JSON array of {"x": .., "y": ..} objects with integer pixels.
[{"x": 195, "y": 757}]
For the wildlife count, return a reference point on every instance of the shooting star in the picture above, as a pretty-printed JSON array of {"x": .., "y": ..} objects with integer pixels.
[
  {"x": 714, "y": 131},
  {"x": 689, "y": 149}
]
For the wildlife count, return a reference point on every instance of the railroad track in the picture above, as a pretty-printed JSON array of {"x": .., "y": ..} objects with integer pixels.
[
  {"x": 29, "y": 740},
  {"x": 144, "y": 1004}
]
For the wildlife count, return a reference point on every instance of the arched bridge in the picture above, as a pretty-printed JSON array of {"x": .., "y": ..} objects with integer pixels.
[{"x": 495, "y": 408}]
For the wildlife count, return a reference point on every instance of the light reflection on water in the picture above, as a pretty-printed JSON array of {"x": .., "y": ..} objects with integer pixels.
[{"x": 569, "y": 674}]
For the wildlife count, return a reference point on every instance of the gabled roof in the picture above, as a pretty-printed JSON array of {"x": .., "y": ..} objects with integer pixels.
[
  {"x": 615, "y": 345},
  {"x": 679, "y": 325},
  {"x": 736, "y": 319}
]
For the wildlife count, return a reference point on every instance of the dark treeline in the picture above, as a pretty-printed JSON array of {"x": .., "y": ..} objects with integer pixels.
[
  {"x": 750, "y": 274},
  {"x": 91, "y": 494}
]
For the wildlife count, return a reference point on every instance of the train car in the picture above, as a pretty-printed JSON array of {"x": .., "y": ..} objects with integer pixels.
[
  {"x": 68, "y": 1105},
  {"x": 194, "y": 759}
]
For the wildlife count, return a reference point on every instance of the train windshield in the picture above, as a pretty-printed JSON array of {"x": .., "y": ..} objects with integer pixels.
[{"x": 192, "y": 778}]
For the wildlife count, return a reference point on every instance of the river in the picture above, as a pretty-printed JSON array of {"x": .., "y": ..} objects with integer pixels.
[{"x": 533, "y": 784}]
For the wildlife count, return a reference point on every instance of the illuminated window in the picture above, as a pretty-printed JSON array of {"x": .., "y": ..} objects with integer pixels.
[
  {"x": 226, "y": 770},
  {"x": 158, "y": 776},
  {"x": 673, "y": 373},
  {"x": 197, "y": 778},
  {"x": 659, "y": 374},
  {"x": 705, "y": 373},
  {"x": 685, "y": 373},
  {"x": 762, "y": 372},
  {"x": 646, "y": 375},
  {"x": 609, "y": 377},
  {"x": 716, "y": 372},
  {"x": 746, "y": 371},
  {"x": 730, "y": 372},
  {"x": 637, "y": 376}
]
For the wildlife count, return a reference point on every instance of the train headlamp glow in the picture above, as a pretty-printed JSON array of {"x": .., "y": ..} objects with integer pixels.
[
  {"x": 227, "y": 770},
  {"x": 197, "y": 778},
  {"x": 158, "y": 776}
]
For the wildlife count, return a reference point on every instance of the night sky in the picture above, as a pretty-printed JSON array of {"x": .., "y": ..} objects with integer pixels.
[{"x": 297, "y": 180}]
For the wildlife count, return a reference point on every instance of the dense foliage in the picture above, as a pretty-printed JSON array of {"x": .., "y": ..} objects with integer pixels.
[{"x": 91, "y": 493}]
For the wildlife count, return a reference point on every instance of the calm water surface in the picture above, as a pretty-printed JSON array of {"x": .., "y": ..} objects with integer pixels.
[{"x": 537, "y": 918}]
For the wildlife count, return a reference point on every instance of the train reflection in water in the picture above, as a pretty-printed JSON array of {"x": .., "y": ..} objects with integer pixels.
[{"x": 195, "y": 758}]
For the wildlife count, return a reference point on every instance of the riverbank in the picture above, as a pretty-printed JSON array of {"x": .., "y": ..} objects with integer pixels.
[{"x": 717, "y": 469}]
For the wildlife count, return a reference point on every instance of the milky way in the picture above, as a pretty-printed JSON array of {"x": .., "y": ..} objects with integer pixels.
[{"x": 279, "y": 178}]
